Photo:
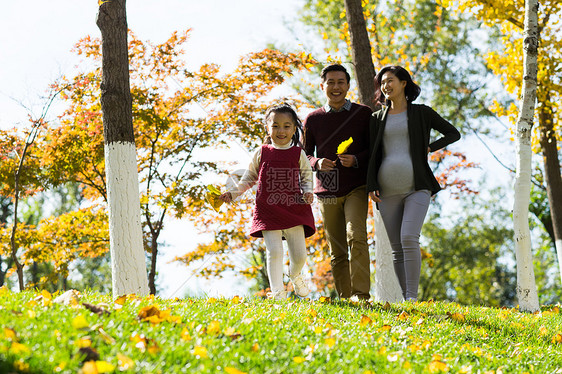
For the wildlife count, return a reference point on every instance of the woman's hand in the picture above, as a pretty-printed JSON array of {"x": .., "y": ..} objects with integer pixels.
[
  {"x": 308, "y": 197},
  {"x": 226, "y": 197},
  {"x": 347, "y": 160},
  {"x": 375, "y": 196}
]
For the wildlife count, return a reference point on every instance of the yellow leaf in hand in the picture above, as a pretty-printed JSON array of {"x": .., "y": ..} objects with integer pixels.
[
  {"x": 213, "y": 200},
  {"x": 342, "y": 148}
]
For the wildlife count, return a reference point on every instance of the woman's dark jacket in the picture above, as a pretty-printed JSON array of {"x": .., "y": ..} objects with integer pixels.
[{"x": 421, "y": 119}]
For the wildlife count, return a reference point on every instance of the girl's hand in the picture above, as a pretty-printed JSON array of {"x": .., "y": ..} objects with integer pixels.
[
  {"x": 308, "y": 197},
  {"x": 375, "y": 196},
  {"x": 226, "y": 197},
  {"x": 347, "y": 160}
]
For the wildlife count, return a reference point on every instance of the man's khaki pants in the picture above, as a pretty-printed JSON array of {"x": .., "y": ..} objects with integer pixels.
[{"x": 345, "y": 223}]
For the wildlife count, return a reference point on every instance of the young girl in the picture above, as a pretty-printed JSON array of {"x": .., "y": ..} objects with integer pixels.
[
  {"x": 399, "y": 178},
  {"x": 282, "y": 210}
]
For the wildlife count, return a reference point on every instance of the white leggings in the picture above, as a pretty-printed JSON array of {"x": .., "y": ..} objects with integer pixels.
[{"x": 274, "y": 250}]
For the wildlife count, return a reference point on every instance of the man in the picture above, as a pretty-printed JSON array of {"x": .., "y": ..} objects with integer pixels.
[{"x": 340, "y": 180}]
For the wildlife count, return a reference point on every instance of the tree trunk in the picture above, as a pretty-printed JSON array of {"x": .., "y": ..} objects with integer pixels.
[
  {"x": 128, "y": 266},
  {"x": 553, "y": 179},
  {"x": 152, "y": 271},
  {"x": 361, "y": 52},
  {"x": 387, "y": 287},
  {"x": 526, "y": 288}
]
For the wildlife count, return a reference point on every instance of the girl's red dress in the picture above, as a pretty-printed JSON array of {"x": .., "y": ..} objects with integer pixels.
[{"x": 279, "y": 198}]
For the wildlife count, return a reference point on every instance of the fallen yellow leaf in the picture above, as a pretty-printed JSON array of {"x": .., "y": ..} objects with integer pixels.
[
  {"x": 230, "y": 370},
  {"x": 10, "y": 334},
  {"x": 47, "y": 297},
  {"x": 79, "y": 322},
  {"x": 148, "y": 311},
  {"x": 199, "y": 351},
  {"x": 104, "y": 367},
  {"x": 89, "y": 368},
  {"x": 403, "y": 316},
  {"x": 21, "y": 366},
  {"x": 213, "y": 328},
  {"x": 17, "y": 348},
  {"x": 121, "y": 300},
  {"x": 185, "y": 334},
  {"x": 457, "y": 317},
  {"x": 83, "y": 343},
  {"x": 437, "y": 366},
  {"x": 365, "y": 320},
  {"x": 124, "y": 362},
  {"x": 330, "y": 342}
]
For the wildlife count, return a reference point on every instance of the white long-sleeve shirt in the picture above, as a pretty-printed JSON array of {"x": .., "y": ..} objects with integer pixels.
[{"x": 250, "y": 176}]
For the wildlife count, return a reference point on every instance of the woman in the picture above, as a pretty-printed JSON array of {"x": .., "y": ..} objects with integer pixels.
[{"x": 399, "y": 178}]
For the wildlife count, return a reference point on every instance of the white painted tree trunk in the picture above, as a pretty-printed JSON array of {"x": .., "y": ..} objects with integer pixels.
[
  {"x": 526, "y": 287},
  {"x": 387, "y": 287},
  {"x": 127, "y": 252}
]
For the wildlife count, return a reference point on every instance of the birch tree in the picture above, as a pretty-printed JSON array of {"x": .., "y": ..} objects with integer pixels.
[
  {"x": 526, "y": 288},
  {"x": 128, "y": 266},
  {"x": 506, "y": 63}
]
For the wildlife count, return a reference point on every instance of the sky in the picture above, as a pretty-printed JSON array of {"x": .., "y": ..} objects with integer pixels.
[{"x": 36, "y": 39}]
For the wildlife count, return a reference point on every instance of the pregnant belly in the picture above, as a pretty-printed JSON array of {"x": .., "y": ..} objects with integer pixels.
[{"x": 396, "y": 175}]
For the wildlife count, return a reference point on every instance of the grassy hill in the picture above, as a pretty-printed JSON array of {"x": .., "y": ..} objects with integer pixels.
[{"x": 91, "y": 333}]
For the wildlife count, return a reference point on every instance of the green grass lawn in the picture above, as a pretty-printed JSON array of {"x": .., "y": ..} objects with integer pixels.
[{"x": 95, "y": 334}]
